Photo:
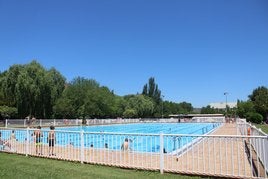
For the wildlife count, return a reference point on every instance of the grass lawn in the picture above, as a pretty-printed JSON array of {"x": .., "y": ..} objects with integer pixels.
[
  {"x": 18, "y": 166},
  {"x": 263, "y": 127}
]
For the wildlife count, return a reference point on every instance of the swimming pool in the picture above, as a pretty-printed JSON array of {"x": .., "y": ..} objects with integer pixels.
[
  {"x": 148, "y": 128},
  {"x": 142, "y": 137}
]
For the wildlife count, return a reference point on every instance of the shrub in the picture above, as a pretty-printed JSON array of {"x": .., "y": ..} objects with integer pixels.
[{"x": 254, "y": 117}]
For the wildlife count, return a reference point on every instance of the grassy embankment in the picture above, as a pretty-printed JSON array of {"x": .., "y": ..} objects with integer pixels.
[{"x": 264, "y": 127}]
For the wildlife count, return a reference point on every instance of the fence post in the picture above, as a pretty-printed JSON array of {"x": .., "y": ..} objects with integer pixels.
[
  {"x": 161, "y": 153},
  {"x": 27, "y": 141},
  {"x": 237, "y": 131},
  {"x": 82, "y": 146},
  {"x": 24, "y": 123}
]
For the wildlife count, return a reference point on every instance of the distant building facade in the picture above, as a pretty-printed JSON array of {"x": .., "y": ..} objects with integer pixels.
[
  {"x": 196, "y": 117},
  {"x": 222, "y": 105}
]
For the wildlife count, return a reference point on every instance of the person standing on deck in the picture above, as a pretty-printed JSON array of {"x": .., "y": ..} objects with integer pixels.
[
  {"x": 38, "y": 140},
  {"x": 12, "y": 140},
  {"x": 125, "y": 145},
  {"x": 51, "y": 140}
]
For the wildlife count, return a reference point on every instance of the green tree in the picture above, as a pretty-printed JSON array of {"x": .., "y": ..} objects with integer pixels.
[
  {"x": 119, "y": 106},
  {"x": 254, "y": 117},
  {"x": 75, "y": 96},
  {"x": 130, "y": 113},
  {"x": 52, "y": 90},
  {"x": 7, "y": 112},
  {"x": 30, "y": 88},
  {"x": 170, "y": 108},
  {"x": 208, "y": 110},
  {"x": 259, "y": 98},
  {"x": 64, "y": 108},
  {"x": 144, "y": 106},
  {"x": 244, "y": 107},
  {"x": 185, "y": 108},
  {"x": 86, "y": 99},
  {"x": 8, "y": 84},
  {"x": 100, "y": 103},
  {"x": 151, "y": 90}
]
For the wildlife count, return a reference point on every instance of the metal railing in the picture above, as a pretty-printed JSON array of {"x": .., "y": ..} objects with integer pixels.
[
  {"x": 74, "y": 122},
  {"x": 64, "y": 122},
  {"x": 41, "y": 122},
  {"x": 246, "y": 128},
  {"x": 209, "y": 155}
]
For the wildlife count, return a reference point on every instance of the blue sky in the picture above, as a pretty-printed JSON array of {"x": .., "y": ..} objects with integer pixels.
[{"x": 196, "y": 50}]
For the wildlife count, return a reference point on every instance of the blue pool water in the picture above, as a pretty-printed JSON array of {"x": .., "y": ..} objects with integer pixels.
[
  {"x": 99, "y": 135},
  {"x": 143, "y": 137},
  {"x": 148, "y": 128}
]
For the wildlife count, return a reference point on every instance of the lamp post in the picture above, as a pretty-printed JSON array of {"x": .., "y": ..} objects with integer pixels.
[
  {"x": 225, "y": 93},
  {"x": 162, "y": 106}
]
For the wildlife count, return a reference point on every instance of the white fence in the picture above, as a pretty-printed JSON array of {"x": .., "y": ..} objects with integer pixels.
[
  {"x": 72, "y": 122},
  {"x": 111, "y": 121},
  {"x": 64, "y": 122},
  {"x": 208, "y": 119},
  {"x": 248, "y": 129},
  {"x": 208, "y": 155},
  {"x": 41, "y": 122}
]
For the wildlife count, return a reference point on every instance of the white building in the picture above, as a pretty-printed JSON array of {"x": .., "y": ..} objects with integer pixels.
[{"x": 222, "y": 105}]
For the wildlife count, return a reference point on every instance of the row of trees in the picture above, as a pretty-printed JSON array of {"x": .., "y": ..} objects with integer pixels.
[
  {"x": 29, "y": 90},
  {"x": 85, "y": 98},
  {"x": 255, "y": 109},
  {"x": 32, "y": 90}
]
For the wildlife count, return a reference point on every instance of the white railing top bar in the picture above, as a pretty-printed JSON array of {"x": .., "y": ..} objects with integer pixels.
[
  {"x": 259, "y": 130},
  {"x": 243, "y": 122},
  {"x": 205, "y": 135}
]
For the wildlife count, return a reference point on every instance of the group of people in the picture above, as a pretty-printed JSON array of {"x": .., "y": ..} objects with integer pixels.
[{"x": 51, "y": 139}]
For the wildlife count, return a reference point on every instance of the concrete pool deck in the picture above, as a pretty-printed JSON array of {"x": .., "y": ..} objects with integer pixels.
[{"x": 216, "y": 156}]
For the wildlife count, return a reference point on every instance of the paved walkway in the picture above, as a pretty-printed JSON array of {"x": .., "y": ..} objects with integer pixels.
[{"x": 217, "y": 156}]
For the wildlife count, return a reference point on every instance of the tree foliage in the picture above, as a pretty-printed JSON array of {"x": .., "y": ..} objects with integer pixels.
[
  {"x": 210, "y": 110},
  {"x": 7, "y": 112},
  {"x": 31, "y": 89},
  {"x": 256, "y": 105},
  {"x": 85, "y": 98},
  {"x": 259, "y": 98},
  {"x": 142, "y": 105},
  {"x": 244, "y": 107},
  {"x": 185, "y": 107},
  {"x": 151, "y": 90},
  {"x": 254, "y": 117}
]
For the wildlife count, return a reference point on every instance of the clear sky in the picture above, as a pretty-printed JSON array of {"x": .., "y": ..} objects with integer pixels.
[{"x": 196, "y": 50}]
